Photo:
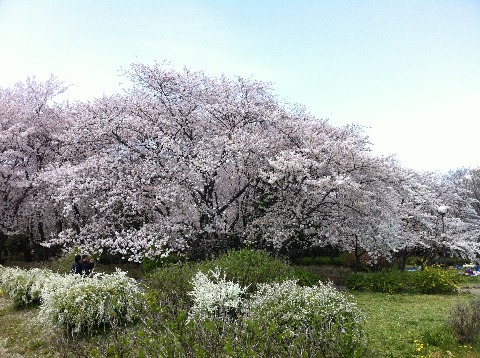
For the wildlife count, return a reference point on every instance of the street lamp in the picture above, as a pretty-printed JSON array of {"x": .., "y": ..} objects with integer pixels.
[{"x": 442, "y": 210}]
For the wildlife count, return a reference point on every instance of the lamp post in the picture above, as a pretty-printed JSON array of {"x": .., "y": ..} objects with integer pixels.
[{"x": 442, "y": 210}]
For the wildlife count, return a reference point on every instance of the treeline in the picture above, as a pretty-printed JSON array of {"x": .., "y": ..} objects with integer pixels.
[{"x": 184, "y": 163}]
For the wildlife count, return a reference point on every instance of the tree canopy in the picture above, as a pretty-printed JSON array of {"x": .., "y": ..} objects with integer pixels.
[{"x": 185, "y": 162}]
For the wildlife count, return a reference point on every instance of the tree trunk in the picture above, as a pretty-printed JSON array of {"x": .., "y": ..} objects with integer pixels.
[
  {"x": 358, "y": 254},
  {"x": 3, "y": 238}
]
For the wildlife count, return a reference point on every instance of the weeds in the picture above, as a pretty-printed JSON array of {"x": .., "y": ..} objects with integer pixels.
[{"x": 464, "y": 320}]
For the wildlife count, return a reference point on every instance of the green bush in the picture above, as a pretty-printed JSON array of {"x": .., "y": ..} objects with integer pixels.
[
  {"x": 178, "y": 320},
  {"x": 249, "y": 268},
  {"x": 453, "y": 261},
  {"x": 337, "y": 261},
  {"x": 307, "y": 261},
  {"x": 150, "y": 265},
  {"x": 170, "y": 284},
  {"x": 450, "y": 261},
  {"x": 322, "y": 260},
  {"x": 328, "y": 273},
  {"x": 433, "y": 279},
  {"x": 23, "y": 286},
  {"x": 382, "y": 281}
]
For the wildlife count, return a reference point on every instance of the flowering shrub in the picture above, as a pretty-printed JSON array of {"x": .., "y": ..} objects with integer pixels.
[
  {"x": 77, "y": 304},
  {"x": 215, "y": 297},
  {"x": 320, "y": 315},
  {"x": 23, "y": 286},
  {"x": 435, "y": 279}
]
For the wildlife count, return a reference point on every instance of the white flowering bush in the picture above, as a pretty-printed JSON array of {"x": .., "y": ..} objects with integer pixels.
[
  {"x": 320, "y": 314},
  {"x": 78, "y": 304},
  {"x": 215, "y": 297},
  {"x": 23, "y": 286}
]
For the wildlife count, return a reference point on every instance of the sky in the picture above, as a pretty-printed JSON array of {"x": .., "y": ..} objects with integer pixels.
[{"x": 406, "y": 70}]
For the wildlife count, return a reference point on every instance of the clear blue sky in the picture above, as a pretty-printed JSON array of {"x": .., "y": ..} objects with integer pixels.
[{"x": 407, "y": 69}]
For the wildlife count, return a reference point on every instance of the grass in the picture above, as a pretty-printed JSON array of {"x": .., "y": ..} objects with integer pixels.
[
  {"x": 21, "y": 336},
  {"x": 407, "y": 325},
  {"x": 470, "y": 281}
]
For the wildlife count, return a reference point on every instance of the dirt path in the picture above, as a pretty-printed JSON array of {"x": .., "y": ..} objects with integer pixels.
[{"x": 472, "y": 290}]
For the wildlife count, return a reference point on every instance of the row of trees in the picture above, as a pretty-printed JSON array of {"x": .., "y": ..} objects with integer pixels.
[{"x": 184, "y": 162}]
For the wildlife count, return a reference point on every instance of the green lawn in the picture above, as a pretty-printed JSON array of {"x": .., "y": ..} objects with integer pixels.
[
  {"x": 404, "y": 325},
  {"x": 21, "y": 335}
]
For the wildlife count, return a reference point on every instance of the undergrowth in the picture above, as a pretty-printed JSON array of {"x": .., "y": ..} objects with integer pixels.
[{"x": 397, "y": 325}]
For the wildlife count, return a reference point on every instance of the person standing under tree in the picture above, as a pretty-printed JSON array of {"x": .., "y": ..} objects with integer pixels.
[
  {"x": 77, "y": 266},
  {"x": 87, "y": 265}
]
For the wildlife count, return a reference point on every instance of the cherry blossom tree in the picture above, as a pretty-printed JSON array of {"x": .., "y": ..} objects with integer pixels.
[
  {"x": 424, "y": 228},
  {"x": 330, "y": 190},
  {"x": 30, "y": 128},
  {"x": 186, "y": 162},
  {"x": 464, "y": 218},
  {"x": 172, "y": 164},
  {"x": 468, "y": 181}
]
